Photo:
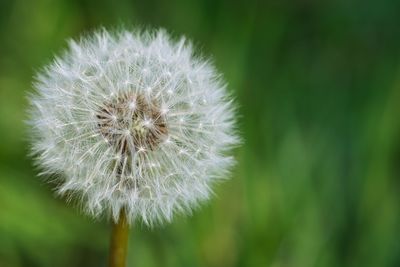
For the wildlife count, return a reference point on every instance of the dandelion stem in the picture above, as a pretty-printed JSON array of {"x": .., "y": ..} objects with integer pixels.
[{"x": 119, "y": 241}]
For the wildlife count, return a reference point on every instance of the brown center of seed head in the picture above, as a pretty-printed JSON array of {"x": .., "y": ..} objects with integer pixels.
[{"x": 131, "y": 123}]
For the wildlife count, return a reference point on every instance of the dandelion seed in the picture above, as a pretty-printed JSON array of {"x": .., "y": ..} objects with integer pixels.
[{"x": 146, "y": 139}]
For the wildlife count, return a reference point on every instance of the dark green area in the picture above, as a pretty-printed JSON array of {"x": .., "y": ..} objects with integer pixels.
[{"x": 318, "y": 177}]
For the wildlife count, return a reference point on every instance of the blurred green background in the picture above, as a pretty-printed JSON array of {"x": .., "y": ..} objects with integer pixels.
[{"x": 318, "y": 178}]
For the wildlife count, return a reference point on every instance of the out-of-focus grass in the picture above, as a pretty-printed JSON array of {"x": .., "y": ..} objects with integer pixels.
[{"x": 317, "y": 180}]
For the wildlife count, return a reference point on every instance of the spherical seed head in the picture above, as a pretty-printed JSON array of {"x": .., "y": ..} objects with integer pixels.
[{"x": 132, "y": 120}]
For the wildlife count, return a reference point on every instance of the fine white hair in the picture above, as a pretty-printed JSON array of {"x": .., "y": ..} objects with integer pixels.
[{"x": 132, "y": 120}]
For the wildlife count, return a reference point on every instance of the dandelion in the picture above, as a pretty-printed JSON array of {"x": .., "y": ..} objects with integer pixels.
[{"x": 134, "y": 125}]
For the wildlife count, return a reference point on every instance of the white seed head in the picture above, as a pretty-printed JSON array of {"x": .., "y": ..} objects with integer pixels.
[{"x": 134, "y": 121}]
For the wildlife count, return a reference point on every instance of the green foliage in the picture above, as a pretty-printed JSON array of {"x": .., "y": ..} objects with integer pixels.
[{"x": 317, "y": 180}]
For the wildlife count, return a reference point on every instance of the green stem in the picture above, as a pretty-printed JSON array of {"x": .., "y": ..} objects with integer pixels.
[{"x": 119, "y": 241}]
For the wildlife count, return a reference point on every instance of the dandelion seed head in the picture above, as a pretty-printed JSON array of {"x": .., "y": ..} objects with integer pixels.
[{"x": 135, "y": 121}]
